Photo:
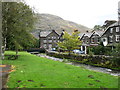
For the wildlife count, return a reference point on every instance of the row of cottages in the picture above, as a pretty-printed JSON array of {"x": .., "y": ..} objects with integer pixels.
[
  {"x": 90, "y": 39},
  {"x": 109, "y": 36}
]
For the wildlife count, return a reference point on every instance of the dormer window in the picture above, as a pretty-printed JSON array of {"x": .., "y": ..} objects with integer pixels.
[
  {"x": 111, "y": 30},
  {"x": 117, "y": 29}
]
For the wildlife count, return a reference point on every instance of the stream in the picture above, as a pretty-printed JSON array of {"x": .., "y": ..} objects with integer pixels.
[{"x": 98, "y": 69}]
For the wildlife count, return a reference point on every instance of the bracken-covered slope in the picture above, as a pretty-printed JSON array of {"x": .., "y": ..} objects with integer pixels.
[{"x": 52, "y": 22}]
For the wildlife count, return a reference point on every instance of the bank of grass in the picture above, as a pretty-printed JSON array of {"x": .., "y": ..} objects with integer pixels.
[{"x": 37, "y": 72}]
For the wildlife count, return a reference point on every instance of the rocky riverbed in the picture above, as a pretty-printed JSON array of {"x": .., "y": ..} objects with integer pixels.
[{"x": 98, "y": 69}]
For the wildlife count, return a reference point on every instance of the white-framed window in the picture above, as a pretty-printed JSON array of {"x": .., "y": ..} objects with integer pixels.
[
  {"x": 117, "y": 38},
  {"x": 45, "y": 46},
  {"x": 54, "y": 37},
  {"x": 117, "y": 29},
  {"x": 110, "y": 38},
  {"x": 44, "y": 41},
  {"x": 55, "y": 41},
  {"x": 48, "y": 37},
  {"x": 111, "y": 30},
  {"x": 50, "y": 46},
  {"x": 50, "y": 41}
]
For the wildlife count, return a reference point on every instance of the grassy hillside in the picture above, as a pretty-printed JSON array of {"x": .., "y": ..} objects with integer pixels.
[{"x": 50, "y": 22}]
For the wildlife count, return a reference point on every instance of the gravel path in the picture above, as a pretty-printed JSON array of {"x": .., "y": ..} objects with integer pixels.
[
  {"x": 4, "y": 72},
  {"x": 99, "y": 69}
]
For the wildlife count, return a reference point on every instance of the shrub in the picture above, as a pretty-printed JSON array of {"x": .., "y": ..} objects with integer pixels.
[{"x": 96, "y": 60}]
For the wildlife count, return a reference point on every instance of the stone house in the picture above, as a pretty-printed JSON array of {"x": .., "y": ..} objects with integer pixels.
[
  {"x": 90, "y": 39},
  {"x": 48, "y": 39},
  {"x": 111, "y": 35}
]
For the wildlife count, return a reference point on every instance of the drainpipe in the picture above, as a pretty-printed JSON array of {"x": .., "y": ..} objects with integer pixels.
[
  {"x": 85, "y": 49},
  {"x": 39, "y": 39}
]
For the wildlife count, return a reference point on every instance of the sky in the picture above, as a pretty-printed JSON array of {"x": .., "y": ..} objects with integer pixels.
[{"x": 85, "y": 12}]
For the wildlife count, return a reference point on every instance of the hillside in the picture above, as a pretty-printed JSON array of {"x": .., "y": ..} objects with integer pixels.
[{"x": 52, "y": 22}]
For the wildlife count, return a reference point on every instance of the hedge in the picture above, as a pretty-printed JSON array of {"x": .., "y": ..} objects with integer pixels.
[{"x": 95, "y": 60}]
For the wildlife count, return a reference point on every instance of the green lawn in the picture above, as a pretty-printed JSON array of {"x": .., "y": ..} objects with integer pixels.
[{"x": 37, "y": 72}]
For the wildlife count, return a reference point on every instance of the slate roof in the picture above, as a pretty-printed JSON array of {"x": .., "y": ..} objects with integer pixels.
[
  {"x": 81, "y": 35},
  {"x": 114, "y": 24},
  {"x": 45, "y": 33},
  {"x": 100, "y": 33},
  {"x": 42, "y": 33},
  {"x": 88, "y": 34}
]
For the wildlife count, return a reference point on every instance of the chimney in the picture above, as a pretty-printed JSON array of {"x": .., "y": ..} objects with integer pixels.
[{"x": 75, "y": 30}]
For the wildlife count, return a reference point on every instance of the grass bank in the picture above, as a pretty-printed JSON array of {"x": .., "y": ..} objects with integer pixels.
[{"x": 37, "y": 72}]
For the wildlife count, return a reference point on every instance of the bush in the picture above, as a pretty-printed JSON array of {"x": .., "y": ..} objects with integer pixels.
[
  {"x": 40, "y": 50},
  {"x": 99, "y": 50},
  {"x": 96, "y": 60}
]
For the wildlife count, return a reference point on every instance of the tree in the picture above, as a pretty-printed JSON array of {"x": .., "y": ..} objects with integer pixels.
[
  {"x": 1, "y": 51},
  {"x": 18, "y": 20},
  {"x": 97, "y": 27},
  {"x": 70, "y": 42}
]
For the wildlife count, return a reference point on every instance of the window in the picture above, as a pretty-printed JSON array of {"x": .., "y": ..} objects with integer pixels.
[
  {"x": 117, "y": 29},
  {"x": 98, "y": 39},
  {"x": 111, "y": 30},
  {"x": 50, "y": 46},
  {"x": 50, "y": 41},
  {"x": 110, "y": 38},
  {"x": 48, "y": 37},
  {"x": 55, "y": 41},
  {"x": 54, "y": 37},
  {"x": 92, "y": 40},
  {"x": 44, "y": 41},
  {"x": 45, "y": 46},
  {"x": 117, "y": 38}
]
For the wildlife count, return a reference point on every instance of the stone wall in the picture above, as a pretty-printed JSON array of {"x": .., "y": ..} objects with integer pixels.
[{"x": 96, "y": 60}]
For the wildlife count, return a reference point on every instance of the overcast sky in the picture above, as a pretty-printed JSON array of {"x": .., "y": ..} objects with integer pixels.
[{"x": 84, "y": 12}]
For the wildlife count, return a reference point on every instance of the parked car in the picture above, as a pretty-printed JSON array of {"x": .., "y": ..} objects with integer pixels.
[
  {"x": 53, "y": 49},
  {"x": 78, "y": 51}
]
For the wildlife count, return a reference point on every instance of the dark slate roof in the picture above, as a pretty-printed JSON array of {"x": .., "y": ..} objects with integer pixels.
[
  {"x": 45, "y": 33},
  {"x": 81, "y": 35},
  {"x": 100, "y": 33},
  {"x": 42, "y": 33},
  {"x": 114, "y": 24},
  {"x": 88, "y": 34}
]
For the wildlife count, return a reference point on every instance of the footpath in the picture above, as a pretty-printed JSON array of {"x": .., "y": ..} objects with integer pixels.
[{"x": 4, "y": 72}]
